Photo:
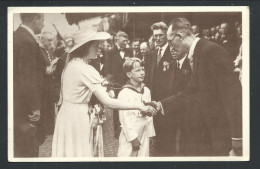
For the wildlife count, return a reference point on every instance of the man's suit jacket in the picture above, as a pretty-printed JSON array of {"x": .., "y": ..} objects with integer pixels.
[
  {"x": 160, "y": 81},
  {"x": 181, "y": 77},
  {"x": 231, "y": 43},
  {"x": 57, "y": 76},
  {"x": 29, "y": 70},
  {"x": 138, "y": 55},
  {"x": 114, "y": 66},
  {"x": 214, "y": 99},
  {"x": 28, "y": 79},
  {"x": 157, "y": 78}
]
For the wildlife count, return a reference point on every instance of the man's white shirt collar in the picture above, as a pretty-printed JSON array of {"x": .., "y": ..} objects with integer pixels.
[
  {"x": 122, "y": 53},
  {"x": 192, "y": 48},
  {"x": 181, "y": 61},
  {"x": 163, "y": 49},
  {"x": 29, "y": 30}
]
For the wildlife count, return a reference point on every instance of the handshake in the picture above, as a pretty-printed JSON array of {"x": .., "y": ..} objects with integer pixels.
[{"x": 151, "y": 108}]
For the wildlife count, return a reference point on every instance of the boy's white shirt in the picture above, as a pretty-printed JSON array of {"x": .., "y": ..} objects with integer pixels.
[{"x": 129, "y": 118}]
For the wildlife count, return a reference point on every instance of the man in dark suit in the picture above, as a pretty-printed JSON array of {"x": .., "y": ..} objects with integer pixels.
[
  {"x": 159, "y": 76},
  {"x": 180, "y": 78},
  {"x": 229, "y": 40},
  {"x": 196, "y": 31},
  {"x": 114, "y": 66},
  {"x": 48, "y": 106},
  {"x": 145, "y": 51},
  {"x": 146, "y": 55},
  {"x": 213, "y": 121},
  {"x": 69, "y": 43},
  {"x": 116, "y": 57},
  {"x": 136, "y": 48},
  {"x": 28, "y": 86}
]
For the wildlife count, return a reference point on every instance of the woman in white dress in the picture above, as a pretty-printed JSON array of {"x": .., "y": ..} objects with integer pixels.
[{"x": 79, "y": 81}]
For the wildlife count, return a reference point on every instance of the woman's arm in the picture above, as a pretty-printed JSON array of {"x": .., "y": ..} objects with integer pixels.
[{"x": 103, "y": 97}]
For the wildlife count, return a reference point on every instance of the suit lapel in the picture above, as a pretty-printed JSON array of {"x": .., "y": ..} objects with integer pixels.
[
  {"x": 44, "y": 55},
  {"x": 33, "y": 40},
  {"x": 165, "y": 56},
  {"x": 195, "y": 56},
  {"x": 175, "y": 74},
  {"x": 28, "y": 34},
  {"x": 153, "y": 67},
  {"x": 118, "y": 56}
]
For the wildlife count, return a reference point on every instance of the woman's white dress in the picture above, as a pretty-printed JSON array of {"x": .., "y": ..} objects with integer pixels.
[{"x": 72, "y": 129}]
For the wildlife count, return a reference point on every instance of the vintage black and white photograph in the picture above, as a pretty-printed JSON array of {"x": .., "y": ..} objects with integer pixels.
[{"x": 109, "y": 83}]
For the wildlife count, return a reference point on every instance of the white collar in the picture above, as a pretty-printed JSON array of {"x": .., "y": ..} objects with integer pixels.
[
  {"x": 197, "y": 34},
  {"x": 163, "y": 49},
  {"x": 118, "y": 47},
  {"x": 29, "y": 30},
  {"x": 192, "y": 48},
  {"x": 181, "y": 61}
]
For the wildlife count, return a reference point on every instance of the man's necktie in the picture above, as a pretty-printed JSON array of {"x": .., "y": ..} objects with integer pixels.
[
  {"x": 159, "y": 56},
  {"x": 178, "y": 64}
]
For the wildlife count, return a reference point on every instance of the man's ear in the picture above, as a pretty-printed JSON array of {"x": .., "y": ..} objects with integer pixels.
[
  {"x": 128, "y": 74},
  {"x": 35, "y": 20}
]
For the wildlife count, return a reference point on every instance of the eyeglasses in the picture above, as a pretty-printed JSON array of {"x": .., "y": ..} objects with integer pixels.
[
  {"x": 170, "y": 41},
  {"x": 158, "y": 36}
]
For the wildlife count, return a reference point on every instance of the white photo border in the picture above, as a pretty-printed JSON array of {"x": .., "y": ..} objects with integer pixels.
[{"x": 118, "y": 9}]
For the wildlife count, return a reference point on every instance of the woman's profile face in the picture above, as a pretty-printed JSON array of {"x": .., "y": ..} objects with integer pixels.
[{"x": 93, "y": 50}]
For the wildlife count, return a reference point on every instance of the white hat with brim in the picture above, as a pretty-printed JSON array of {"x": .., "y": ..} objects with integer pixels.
[{"x": 80, "y": 38}]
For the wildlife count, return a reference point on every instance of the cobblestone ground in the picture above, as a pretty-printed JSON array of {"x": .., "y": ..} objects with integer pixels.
[
  {"x": 45, "y": 148},
  {"x": 110, "y": 142}
]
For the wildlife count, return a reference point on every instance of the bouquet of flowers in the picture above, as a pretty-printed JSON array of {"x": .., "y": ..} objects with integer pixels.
[{"x": 97, "y": 115}]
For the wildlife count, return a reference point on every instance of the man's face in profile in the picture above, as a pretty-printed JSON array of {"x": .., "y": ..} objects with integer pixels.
[
  {"x": 175, "y": 40},
  {"x": 39, "y": 23},
  {"x": 144, "y": 49},
  {"x": 122, "y": 42},
  {"x": 136, "y": 46}
]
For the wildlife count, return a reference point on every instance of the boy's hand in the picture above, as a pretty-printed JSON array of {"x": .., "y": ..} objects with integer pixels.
[{"x": 136, "y": 144}]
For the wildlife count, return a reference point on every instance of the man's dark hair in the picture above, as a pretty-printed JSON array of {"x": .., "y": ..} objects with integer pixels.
[
  {"x": 181, "y": 24},
  {"x": 28, "y": 17},
  {"x": 136, "y": 40}
]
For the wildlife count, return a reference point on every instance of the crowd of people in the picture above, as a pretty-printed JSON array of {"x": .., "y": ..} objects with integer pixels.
[{"x": 178, "y": 91}]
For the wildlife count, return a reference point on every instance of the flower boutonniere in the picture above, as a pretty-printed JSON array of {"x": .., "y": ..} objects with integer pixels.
[{"x": 166, "y": 66}]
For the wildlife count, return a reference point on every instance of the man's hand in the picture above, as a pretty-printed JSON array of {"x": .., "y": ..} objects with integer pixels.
[
  {"x": 155, "y": 105},
  {"x": 35, "y": 116},
  {"x": 148, "y": 111},
  {"x": 50, "y": 69},
  {"x": 136, "y": 144},
  {"x": 237, "y": 147}
]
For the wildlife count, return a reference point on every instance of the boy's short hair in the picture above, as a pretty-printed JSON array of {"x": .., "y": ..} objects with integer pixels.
[{"x": 131, "y": 63}]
